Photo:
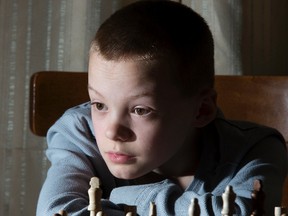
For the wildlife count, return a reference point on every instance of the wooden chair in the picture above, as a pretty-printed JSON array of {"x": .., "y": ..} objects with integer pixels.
[
  {"x": 51, "y": 93},
  {"x": 261, "y": 99}
]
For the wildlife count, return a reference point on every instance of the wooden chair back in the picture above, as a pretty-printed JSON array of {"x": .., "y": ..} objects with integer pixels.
[
  {"x": 51, "y": 93},
  {"x": 261, "y": 99}
]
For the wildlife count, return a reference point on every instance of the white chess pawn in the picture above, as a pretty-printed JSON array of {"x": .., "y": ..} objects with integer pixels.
[
  {"x": 99, "y": 213},
  {"x": 194, "y": 208},
  {"x": 130, "y": 210},
  {"x": 280, "y": 211},
  {"x": 152, "y": 211},
  {"x": 228, "y": 201}
]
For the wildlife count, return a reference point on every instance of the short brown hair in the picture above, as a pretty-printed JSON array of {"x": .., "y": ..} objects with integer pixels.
[{"x": 161, "y": 30}]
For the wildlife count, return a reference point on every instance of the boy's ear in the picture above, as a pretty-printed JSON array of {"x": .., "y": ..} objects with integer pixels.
[{"x": 207, "y": 108}]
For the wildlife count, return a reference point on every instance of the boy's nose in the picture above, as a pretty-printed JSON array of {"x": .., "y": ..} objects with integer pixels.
[{"x": 118, "y": 132}]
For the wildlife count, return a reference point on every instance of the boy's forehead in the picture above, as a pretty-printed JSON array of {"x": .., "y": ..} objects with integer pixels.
[
  {"x": 151, "y": 76},
  {"x": 154, "y": 68}
]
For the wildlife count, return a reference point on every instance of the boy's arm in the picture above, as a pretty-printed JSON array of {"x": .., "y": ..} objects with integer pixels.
[
  {"x": 74, "y": 158},
  {"x": 262, "y": 162}
]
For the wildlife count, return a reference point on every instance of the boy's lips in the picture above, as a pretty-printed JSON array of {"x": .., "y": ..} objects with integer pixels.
[{"x": 120, "y": 158}]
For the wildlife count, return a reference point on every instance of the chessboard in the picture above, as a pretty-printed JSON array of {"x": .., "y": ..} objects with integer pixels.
[{"x": 228, "y": 197}]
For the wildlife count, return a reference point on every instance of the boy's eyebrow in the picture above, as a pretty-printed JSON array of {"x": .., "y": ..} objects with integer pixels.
[
  {"x": 142, "y": 94},
  {"x": 94, "y": 90},
  {"x": 90, "y": 87}
]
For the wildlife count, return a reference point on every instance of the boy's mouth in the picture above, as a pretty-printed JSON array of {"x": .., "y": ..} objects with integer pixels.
[{"x": 120, "y": 158}]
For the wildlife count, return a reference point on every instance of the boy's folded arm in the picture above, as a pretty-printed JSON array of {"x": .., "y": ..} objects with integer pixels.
[
  {"x": 67, "y": 181},
  {"x": 170, "y": 199},
  {"x": 74, "y": 158},
  {"x": 66, "y": 187}
]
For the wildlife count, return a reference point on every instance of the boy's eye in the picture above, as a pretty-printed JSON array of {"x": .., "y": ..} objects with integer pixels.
[
  {"x": 142, "y": 111},
  {"x": 99, "y": 106}
]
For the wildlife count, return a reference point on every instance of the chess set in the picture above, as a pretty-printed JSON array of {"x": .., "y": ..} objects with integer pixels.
[{"x": 228, "y": 197}]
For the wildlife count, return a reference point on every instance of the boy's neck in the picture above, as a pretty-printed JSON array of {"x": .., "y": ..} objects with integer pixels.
[
  {"x": 152, "y": 177},
  {"x": 186, "y": 161},
  {"x": 181, "y": 168},
  {"x": 184, "y": 181}
]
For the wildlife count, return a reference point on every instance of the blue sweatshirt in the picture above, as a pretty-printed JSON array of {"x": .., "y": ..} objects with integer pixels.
[{"x": 233, "y": 153}]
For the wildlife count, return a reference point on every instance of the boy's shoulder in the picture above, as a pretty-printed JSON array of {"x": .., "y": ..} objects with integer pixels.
[
  {"x": 243, "y": 128},
  {"x": 237, "y": 138},
  {"x": 75, "y": 120},
  {"x": 73, "y": 131},
  {"x": 77, "y": 115},
  {"x": 83, "y": 109}
]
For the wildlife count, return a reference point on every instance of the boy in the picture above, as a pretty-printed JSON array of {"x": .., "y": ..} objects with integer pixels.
[{"x": 152, "y": 131}]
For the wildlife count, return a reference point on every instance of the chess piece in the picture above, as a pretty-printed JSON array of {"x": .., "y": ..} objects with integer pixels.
[
  {"x": 194, "y": 208},
  {"x": 61, "y": 213},
  {"x": 95, "y": 194},
  {"x": 280, "y": 211},
  {"x": 130, "y": 210},
  {"x": 228, "y": 198},
  {"x": 152, "y": 211},
  {"x": 258, "y": 197},
  {"x": 100, "y": 213}
]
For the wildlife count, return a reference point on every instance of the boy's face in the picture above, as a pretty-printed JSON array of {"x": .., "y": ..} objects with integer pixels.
[{"x": 141, "y": 121}]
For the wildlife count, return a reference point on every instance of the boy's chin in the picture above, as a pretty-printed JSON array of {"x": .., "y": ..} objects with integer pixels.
[
  {"x": 150, "y": 177},
  {"x": 125, "y": 175}
]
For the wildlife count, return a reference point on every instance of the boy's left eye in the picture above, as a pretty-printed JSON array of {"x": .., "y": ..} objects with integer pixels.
[{"x": 142, "y": 111}]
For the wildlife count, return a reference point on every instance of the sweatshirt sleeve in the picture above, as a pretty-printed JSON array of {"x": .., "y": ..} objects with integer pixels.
[
  {"x": 74, "y": 158},
  {"x": 259, "y": 163}
]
